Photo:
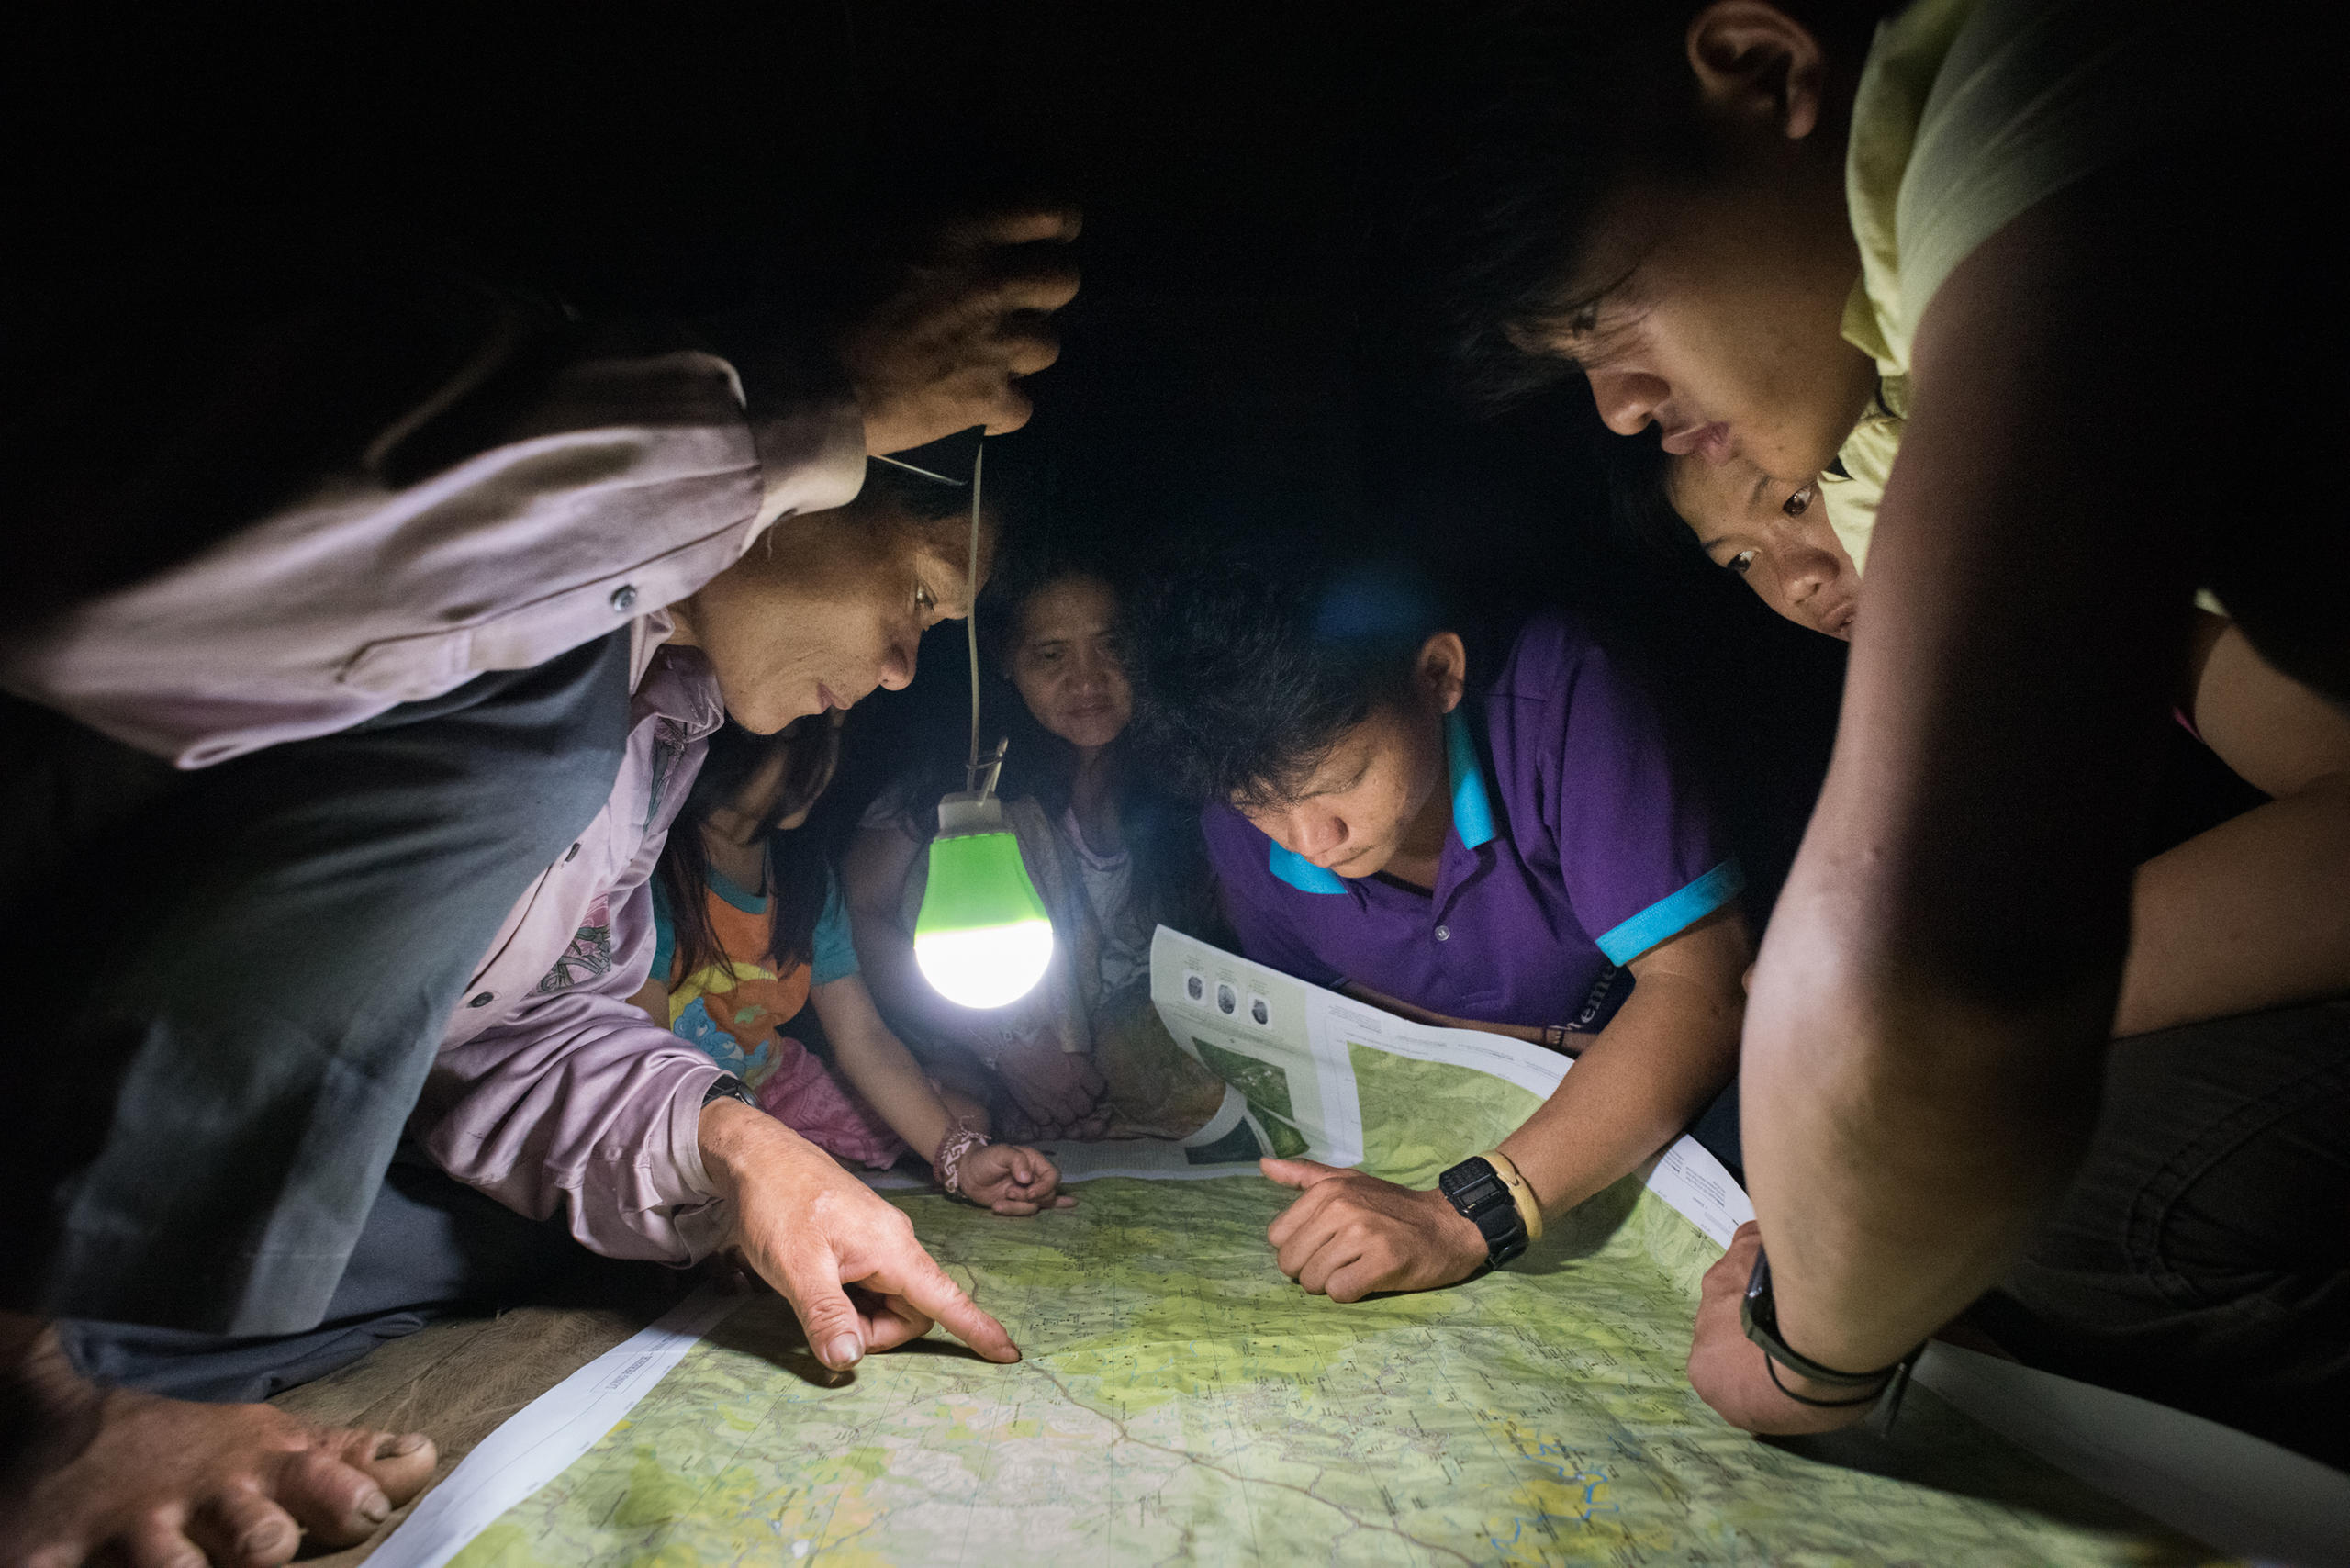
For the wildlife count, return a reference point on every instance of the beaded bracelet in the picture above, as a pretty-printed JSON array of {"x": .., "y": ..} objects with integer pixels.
[{"x": 946, "y": 1165}]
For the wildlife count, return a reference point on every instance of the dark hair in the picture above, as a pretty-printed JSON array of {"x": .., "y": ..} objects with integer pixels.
[
  {"x": 1639, "y": 504},
  {"x": 799, "y": 871},
  {"x": 1544, "y": 110},
  {"x": 1250, "y": 665}
]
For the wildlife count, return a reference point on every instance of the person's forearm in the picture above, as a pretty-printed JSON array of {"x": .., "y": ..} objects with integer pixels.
[
  {"x": 886, "y": 1073},
  {"x": 2246, "y": 916},
  {"x": 1671, "y": 1047},
  {"x": 1899, "y": 1142}
]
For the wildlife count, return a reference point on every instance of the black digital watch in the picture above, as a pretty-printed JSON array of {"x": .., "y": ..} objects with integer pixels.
[{"x": 1475, "y": 1189}]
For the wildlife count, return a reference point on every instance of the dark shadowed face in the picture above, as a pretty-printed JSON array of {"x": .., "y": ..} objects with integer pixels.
[
  {"x": 1349, "y": 815},
  {"x": 1721, "y": 324},
  {"x": 1774, "y": 535},
  {"x": 1379, "y": 786},
  {"x": 824, "y": 610},
  {"x": 1712, "y": 305}
]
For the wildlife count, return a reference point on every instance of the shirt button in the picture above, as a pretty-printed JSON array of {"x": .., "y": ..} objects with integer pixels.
[
  {"x": 624, "y": 598},
  {"x": 570, "y": 855},
  {"x": 1444, "y": 934},
  {"x": 484, "y": 1000}
]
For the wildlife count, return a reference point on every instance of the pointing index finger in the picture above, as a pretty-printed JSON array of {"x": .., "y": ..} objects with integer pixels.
[{"x": 927, "y": 1289}]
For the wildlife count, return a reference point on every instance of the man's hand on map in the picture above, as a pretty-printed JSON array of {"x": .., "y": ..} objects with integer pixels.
[
  {"x": 847, "y": 1261},
  {"x": 1012, "y": 1180},
  {"x": 1730, "y": 1371},
  {"x": 1351, "y": 1233},
  {"x": 1057, "y": 1093}
]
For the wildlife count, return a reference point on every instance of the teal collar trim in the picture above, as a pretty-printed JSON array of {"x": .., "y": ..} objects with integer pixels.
[
  {"x": 734, "y": 892},
  {"x": 1472, "y": 812},
  {"x": 1472, "y": 807},
  {"x": 1303, "y": 874}
]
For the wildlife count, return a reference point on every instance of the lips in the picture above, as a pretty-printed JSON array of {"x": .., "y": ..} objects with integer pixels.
[
  {"x": 824, "y": 695},
  {"x": 1711, "y": 443}
]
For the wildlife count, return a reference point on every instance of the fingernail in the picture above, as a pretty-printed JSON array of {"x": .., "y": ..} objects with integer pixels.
[
  {"x": 400, "y": 1448},
  {"x": 843, "y": 1352},
  {"x": 374, "y": 1508}
]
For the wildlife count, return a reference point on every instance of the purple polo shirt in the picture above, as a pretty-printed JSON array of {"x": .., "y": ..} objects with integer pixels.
[{"x": 1576, "y": 845}]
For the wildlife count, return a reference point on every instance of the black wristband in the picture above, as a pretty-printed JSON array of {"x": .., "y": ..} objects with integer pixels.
[
  {"x": 726, "y": 1086},
  {"x": 1759, "y": 1312}
]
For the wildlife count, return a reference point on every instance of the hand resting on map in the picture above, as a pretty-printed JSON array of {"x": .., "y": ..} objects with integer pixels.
[
  {"x": 1011, "y": 1180},
  {"x": 1349, "y": 1234},
  {"x": 846, "y": 1260},
  {"x": 1728, "y": 1370}
]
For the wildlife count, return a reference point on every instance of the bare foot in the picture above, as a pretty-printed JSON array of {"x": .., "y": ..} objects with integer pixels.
[{"x": 89, "y": 1474}]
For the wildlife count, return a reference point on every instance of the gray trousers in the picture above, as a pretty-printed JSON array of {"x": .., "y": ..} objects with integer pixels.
[
  {"x": 2201, "y": 1258},
  {"x": 430, "y": 1246},
  {"x": 228, "y": 985}
]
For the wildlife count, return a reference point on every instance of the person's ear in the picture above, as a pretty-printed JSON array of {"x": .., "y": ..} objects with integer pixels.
[
  {"x": 1441, "y": 671},
  {"x": 1756, "y": 63}
]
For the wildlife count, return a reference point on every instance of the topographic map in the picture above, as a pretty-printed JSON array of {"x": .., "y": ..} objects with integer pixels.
[{"x": 1181, "y": 1402}]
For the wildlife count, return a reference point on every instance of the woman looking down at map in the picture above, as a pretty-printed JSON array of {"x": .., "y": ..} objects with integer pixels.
[{"x": 1518, "y": 854}]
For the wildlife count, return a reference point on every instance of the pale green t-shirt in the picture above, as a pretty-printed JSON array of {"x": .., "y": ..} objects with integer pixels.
[{"x": 1969, "y": 112}]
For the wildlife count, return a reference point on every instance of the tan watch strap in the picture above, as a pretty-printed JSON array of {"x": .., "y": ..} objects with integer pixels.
[{"x": 1529, "y": 1211}]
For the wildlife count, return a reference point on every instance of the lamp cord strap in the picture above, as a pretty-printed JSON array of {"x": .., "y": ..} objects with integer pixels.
[
  {"x": 971, "y": 611},
  {"x": 946, "y": 1165}
]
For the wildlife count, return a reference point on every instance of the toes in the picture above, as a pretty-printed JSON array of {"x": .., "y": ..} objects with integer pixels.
[
  {"x": 338, "y": 1504},
  {"x": 401, "y": 1462},
  {"x": 157, "y": 1542},
  {"x": 245, "y": 1529}
]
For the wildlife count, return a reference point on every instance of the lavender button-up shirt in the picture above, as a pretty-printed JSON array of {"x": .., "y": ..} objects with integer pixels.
[
  {"x": 472, "y": 528},
  {"x": 551, "y": 1089},
  {"x": 1577, "y": 846}
]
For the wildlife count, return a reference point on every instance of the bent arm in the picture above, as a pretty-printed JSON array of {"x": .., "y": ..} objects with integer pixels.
[
  {"x": 879, "y": 1064},
  {"x": 375, "y": 500},
  {"x": 1929, "y": 1018},
  {"x": 2249, "y": 914},
  {"x": 1667, "y": 1051},
  {"x": 581, "y": 1101}
]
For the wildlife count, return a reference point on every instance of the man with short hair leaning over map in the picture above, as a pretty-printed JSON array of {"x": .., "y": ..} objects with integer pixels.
[{"x": 1513, "y": 851}]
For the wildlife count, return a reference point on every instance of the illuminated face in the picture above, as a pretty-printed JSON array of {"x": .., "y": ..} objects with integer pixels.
[
  {"x": 824, "y": 610},
  {"x": 1064, "y": 665},
  {"x": 1774, "y": 535},
  {"x": 1351, "y": 814}
]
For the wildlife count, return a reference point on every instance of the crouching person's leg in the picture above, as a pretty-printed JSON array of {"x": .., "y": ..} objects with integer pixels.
[
  {"x": 225, "y": 988},
  {"x": 2201, "y": 1258}
]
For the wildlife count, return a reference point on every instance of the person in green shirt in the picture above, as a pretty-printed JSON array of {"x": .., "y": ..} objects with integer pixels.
[{"x": 2042, "y": 283}]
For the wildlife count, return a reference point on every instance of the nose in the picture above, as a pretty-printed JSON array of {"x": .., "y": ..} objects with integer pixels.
[
  {"x": 1805, "y": 571},
  {"x": 1627, "y": 399},
  {"x": 1315, "y": 834},
  {"x": 898, "y": 660}
]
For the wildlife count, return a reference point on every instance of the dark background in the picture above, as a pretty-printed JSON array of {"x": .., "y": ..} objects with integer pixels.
[{"x": 1246, "y": 355}]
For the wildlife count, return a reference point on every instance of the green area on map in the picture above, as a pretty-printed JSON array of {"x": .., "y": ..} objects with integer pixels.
[{"x": 1183, "y": 1403}]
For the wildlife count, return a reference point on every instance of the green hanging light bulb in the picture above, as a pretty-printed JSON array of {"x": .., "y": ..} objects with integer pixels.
[{"x": 982, "y": 938}]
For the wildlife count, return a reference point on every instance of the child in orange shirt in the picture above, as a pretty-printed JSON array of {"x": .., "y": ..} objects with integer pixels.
[{"x": 752, "y": 929}]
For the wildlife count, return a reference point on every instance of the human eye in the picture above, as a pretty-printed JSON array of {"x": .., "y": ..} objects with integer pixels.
[
  {"x": 1800, "y": 502},
  {"x": 926, "y": 602},
  {"x": 1737, "y": 563}
]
